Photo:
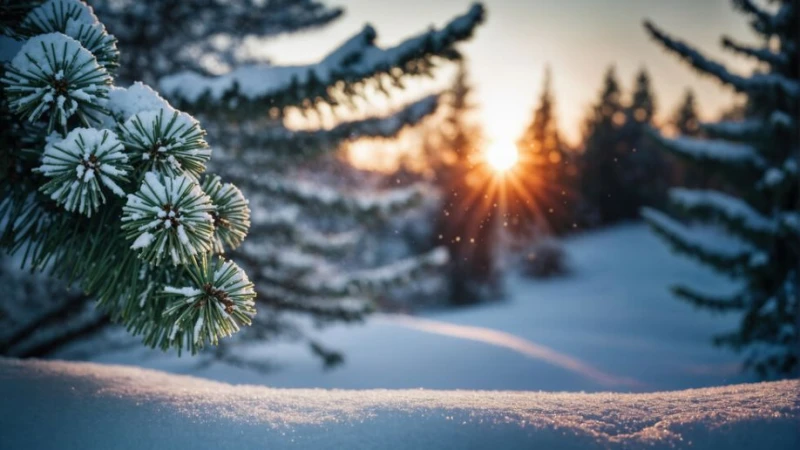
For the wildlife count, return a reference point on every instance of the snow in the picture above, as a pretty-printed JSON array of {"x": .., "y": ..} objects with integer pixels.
[
  {"x": 715, "y": 150},
  {"x": 756, "y": 82},
  {"x": 27, "y": 79},
  {"x": 370, "y": 203},
  {"x": 123, "y": 103},
  {"x": 357, "y": 58},
  {"x": 177, "y": 136},
  {"x": 709, "y": 240},
  {"x": 89, "y": 406},
  {"x": 731, "y": 207},
  {"x": 612, "y": 324},
  {"x": 73, "y": 162},
  {"x": 145, "y": 219}
]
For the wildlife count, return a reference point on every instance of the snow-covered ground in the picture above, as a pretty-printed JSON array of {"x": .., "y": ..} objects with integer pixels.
[
  {"x": 610, "y": 326},
  {"x": 54, "y": 404}
]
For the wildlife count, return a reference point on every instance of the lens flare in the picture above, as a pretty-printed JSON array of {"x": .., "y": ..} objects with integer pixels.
[{"x": 502, "y": 156}]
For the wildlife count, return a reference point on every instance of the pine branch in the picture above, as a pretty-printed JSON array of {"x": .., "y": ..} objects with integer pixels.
[
  {"x": 715, "y": 303},
  {"x": 728, "y": 259},
  {"x": 778, "y": 60},
  {"x": 284, "y": 146},
  {"x": 730, "y": 212},
  {"x": 716, "y": 153},
  {"x": 371, "y": 206},
  {"x": 73, "y": 334},
  {"x": 355, "y": 62},
  {"x": 772, "y": 82},
  {"x": 52, "y": 317},
  {"x": 763, "y": 21}
]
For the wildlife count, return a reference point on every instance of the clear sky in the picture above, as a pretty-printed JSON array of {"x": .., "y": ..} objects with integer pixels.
[{"x": 579, "y": 39}]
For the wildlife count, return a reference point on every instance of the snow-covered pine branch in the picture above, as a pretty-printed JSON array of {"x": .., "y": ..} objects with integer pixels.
[
  {"x": 713, "y": 152},
  {"x": 104, "y": 185},
  {"x": 153, "y": 46},
  {"x": 289, "y": 146},
  {"x": 757, "y": 82},
  {"x": 363, "y": 205},
  {"x": 285, "y": 224},
  {"x": 763, "y": 54},
  {"x": 730, "y": 256},
  {"x": 354, "y": 62}
]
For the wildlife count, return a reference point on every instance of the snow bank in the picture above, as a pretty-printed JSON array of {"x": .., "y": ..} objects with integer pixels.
[{"x": 80, "y": 405}]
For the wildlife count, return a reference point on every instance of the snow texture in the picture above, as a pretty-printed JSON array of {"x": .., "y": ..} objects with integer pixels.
[
  {"x": 91, "y": 406},
  {"x": 123, "y": 103}
]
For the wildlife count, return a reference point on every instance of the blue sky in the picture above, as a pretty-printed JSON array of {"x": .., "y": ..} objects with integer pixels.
[{"x": 577, "y": 38}]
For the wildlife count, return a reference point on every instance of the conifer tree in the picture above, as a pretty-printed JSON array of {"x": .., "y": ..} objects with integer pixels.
[
  {"x": 760, "y": 155},
  {"x": 466, "y": 223},
  {"x": 686, "y": 122},
  {"x": 303, "y": 224},
  {"x": 599, "y": 184},
  {"x": 641, "y": 168},
  {"x": 545, "y": 173}
]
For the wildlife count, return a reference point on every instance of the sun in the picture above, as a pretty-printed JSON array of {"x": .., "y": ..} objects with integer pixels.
[{"x": 502, "y": 156}]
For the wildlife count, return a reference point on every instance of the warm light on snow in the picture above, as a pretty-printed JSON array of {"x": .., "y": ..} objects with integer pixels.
[{"x": 502, "y": 156}]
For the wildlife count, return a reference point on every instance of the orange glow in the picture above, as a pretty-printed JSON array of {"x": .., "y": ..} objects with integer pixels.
[{"x": 502, "y": 156}]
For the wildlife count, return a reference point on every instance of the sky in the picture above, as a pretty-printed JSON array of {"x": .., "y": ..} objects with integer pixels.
[{"x": 577, "y": 39}]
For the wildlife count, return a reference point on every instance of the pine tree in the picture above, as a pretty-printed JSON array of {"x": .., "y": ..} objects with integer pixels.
[
  {"x": 686, "y": 122},
  {"x": 466, "y": 222},
  {"x": 759, "y": 154},
  {"x": 304, "y": 226},
  {"x": 599, "y": 185},
  {"x": 541, "y": 199},
  {"x": 105, "y": 186},
  {"x": 641, "y": 169}
]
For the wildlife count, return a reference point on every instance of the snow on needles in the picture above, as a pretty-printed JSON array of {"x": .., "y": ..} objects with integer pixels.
[
  {"x": 357, "y": 58},
  {"x": 72, "y": 402},
  {"x": 79, "y": 164}
]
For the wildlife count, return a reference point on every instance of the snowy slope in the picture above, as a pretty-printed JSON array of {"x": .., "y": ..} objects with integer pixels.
[
  {"x": 612, "y": 325},
  {"x": 88, "y": 406}
]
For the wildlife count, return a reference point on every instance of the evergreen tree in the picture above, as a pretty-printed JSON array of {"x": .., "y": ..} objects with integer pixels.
[
  {"x": 541, "y": 195},
  {"x": 685, "y": 121},
  {"x": 106, "y": 186},
  {"x": 599, "y": 184},
  {"x": 303, "y": 224},
  {"x": 466, "y": 223},
  {"x": 641, "y": 168},
  {"x": 760, "y": 155}
]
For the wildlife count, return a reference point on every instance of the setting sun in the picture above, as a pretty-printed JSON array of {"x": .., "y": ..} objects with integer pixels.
[{"x": 502, "y": 157}]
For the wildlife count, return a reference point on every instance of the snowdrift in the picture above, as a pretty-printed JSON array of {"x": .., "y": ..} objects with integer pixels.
[{"x": 69, "y": 405}]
